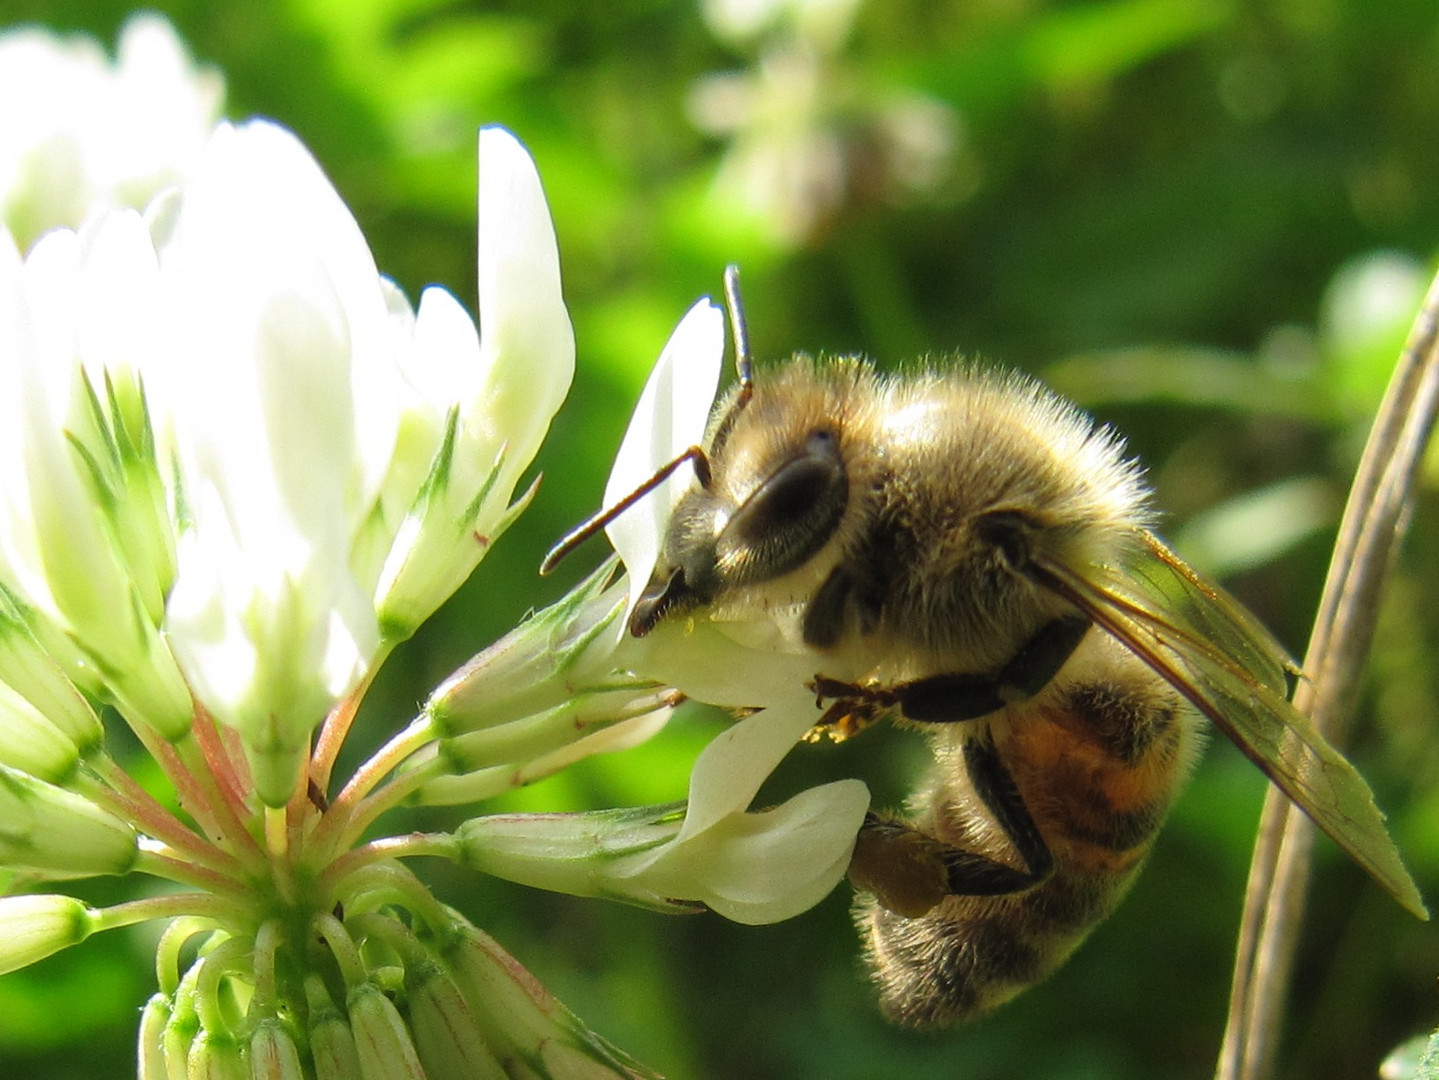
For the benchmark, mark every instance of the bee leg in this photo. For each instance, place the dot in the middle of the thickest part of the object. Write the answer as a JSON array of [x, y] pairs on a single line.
[[955, 696], [910, 872], [975, 875]]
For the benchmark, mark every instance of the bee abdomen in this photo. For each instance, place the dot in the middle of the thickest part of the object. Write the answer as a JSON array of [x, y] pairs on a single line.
[[972, 954], [1097, 769]]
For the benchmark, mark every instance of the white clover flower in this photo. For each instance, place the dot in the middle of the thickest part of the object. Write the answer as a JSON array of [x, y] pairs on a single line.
[[800, 850], [277, 335], [751, 867], [236, 468], [742, 665], [827, 21], [502, 390], [93, 134], [669, 418]]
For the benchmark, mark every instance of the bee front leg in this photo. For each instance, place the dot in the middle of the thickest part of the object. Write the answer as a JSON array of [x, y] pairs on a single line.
[[910, 872], [855, 708]]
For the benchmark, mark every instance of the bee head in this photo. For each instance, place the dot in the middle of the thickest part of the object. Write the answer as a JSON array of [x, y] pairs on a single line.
[[774, 495]]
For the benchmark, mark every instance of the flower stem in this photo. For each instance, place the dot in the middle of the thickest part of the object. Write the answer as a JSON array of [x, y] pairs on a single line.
[[337, 725], [267, 942], [440, 845], [159, 861], [109, 785], [227, 819], [348, 829], [220, 764], [228, 956], [189, 791], [339, 825], [372, 886], [393, 933], [169, 906], [343, 948]]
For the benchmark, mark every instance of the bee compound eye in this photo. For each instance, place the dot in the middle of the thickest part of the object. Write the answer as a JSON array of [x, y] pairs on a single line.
[[792, 513]]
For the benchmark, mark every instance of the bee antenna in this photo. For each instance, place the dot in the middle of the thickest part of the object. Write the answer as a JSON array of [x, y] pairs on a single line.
[[734, 304], [582, 532]]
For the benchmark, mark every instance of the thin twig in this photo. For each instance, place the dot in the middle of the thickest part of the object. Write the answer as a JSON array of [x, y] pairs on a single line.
[[1369, 534]]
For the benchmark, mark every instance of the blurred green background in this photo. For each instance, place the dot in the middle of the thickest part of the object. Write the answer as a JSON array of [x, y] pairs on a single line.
[[1209, 222]]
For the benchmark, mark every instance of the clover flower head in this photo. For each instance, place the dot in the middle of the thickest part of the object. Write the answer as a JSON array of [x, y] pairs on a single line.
[[237, 467], [95, 133]]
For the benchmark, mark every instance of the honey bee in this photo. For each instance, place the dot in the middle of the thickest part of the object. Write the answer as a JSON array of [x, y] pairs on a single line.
[[970, 554]]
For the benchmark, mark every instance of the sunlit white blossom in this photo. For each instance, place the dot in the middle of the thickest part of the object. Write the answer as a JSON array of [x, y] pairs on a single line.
[[93, 133], [237, 466], [750, 866], [828, 21], [498, 392], [277, 325], [669, 419], [755, 867], [744, 665]]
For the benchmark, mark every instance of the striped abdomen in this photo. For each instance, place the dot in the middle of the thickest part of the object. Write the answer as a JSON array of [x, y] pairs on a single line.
[[1097, 762]]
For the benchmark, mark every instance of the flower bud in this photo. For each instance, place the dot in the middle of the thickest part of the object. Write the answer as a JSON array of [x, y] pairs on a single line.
[[217, 1056], [30, 668], [30, 743], [274, 1054], [183, 1025], [569, 853], [33, 927], [447, 1036], [562, 1061], [489, 782], [332, 1044], [57, 832], [522, 1021], [150, 1047], [529, 738], [541, 663], [383, 1042]]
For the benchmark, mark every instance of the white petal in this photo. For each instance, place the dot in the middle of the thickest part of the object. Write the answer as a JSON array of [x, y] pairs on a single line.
[[506, 388], [729, 771], [669, 419], [445, 360], [282, 330], [526, 340], [766, 867], [54, 540], [93, 135], [703, 659]]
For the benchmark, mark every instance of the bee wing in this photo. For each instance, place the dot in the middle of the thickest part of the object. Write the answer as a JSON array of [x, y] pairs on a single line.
[[1232, 670]]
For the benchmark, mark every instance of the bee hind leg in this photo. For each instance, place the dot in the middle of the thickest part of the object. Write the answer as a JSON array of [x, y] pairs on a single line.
[[910, 872]]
